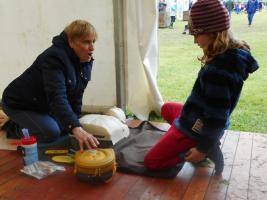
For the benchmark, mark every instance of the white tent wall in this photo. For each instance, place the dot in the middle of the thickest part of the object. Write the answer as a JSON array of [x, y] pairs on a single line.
[[142, 46], [27, 28], [182, 5]]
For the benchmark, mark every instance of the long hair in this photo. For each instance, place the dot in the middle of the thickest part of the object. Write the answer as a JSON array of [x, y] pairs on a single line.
[[221, 41]]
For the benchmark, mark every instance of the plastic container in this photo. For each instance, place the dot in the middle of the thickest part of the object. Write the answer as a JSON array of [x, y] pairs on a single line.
[[96, 165], [29, 150]]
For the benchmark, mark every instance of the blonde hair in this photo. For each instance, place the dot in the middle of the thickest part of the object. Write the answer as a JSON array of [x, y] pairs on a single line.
[[80, 28], [221, 41]]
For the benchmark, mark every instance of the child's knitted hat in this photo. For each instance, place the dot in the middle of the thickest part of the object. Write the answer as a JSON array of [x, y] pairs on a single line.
[[208, 16]]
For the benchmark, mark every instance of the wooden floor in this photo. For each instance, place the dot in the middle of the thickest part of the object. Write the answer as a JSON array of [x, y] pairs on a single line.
[[244, 177]]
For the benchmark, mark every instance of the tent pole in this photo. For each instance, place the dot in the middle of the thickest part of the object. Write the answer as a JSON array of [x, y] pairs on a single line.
[[119, 12]]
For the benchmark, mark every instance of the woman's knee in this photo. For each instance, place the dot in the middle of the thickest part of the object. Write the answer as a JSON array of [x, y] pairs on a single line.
[[50, 134]]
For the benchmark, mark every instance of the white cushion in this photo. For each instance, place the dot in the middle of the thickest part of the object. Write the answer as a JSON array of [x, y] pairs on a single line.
[[104, 127], [116, 112]]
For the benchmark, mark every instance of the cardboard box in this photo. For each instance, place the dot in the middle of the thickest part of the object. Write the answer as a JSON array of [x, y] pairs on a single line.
[[162, 20], [186, 15]]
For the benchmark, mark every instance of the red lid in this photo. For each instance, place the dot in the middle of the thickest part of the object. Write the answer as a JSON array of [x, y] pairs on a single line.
[[28, 141]]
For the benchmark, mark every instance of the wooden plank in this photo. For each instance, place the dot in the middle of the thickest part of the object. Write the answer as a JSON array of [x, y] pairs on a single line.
[[66, 186], [10, 170], [4, 152], [14, 186], [199, 183], [10, 163], [258, 171], [155, 189], [8, 144], [190, 183], [52, 186], [32, 188], [219, 184], [121, 188], [76, 189], [178, 186], [137, 190], [238, 187], [7, 156]]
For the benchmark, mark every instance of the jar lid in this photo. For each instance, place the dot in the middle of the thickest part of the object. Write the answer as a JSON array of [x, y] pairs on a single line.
[[28, 141], [94, 158]]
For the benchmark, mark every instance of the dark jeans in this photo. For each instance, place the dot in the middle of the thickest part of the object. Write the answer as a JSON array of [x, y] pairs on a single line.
[[42, 125], [250, 18], [173, 18]]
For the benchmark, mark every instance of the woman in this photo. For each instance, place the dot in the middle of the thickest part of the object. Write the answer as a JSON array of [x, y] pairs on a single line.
[[47, 97], [198, 125]]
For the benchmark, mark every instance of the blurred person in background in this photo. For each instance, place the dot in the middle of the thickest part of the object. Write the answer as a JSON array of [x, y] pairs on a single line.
[[251, 9]]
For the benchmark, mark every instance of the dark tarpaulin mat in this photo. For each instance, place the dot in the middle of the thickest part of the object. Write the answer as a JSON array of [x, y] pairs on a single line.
[[130, 152]]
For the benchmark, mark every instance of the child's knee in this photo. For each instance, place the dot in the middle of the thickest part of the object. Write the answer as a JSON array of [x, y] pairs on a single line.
[[151, 163], [168, 111], [164, 109], [148, 162]]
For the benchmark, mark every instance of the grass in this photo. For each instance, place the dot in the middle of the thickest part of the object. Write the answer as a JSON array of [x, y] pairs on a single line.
[[179, 67]]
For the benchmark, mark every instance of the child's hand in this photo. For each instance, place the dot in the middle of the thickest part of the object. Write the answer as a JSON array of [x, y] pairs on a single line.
[[194, 156]]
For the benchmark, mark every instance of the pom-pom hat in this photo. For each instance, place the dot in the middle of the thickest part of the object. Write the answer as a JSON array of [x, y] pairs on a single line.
[[208, 16]]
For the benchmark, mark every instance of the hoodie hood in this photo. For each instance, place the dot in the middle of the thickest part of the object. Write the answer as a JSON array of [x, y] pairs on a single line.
[[61, 41], [237, 60]]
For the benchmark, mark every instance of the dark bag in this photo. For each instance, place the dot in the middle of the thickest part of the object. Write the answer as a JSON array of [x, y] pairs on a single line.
[[130, 152]]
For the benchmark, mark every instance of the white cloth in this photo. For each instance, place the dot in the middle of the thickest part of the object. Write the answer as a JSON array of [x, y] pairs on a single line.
[[142, 93]]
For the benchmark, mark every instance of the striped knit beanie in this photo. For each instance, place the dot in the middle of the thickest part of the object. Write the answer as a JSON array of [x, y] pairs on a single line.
[[208, 16]]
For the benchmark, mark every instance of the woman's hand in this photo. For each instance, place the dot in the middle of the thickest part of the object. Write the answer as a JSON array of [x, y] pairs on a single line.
[[194, 156], [84, 138]]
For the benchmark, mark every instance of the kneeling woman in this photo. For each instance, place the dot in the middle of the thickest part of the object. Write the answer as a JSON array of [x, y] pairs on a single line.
[[47, 97]]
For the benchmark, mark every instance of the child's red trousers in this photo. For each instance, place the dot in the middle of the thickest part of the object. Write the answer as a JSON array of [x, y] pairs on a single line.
[[169, 151]]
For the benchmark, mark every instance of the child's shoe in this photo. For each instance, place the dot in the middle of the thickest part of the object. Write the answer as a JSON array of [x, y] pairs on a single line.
[[216, 156]]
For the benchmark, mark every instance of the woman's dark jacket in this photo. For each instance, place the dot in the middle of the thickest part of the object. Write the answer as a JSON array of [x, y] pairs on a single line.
[[207, 110], [53, 84]]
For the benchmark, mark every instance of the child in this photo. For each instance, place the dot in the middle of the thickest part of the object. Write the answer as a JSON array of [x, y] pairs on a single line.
[[198, 125]]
